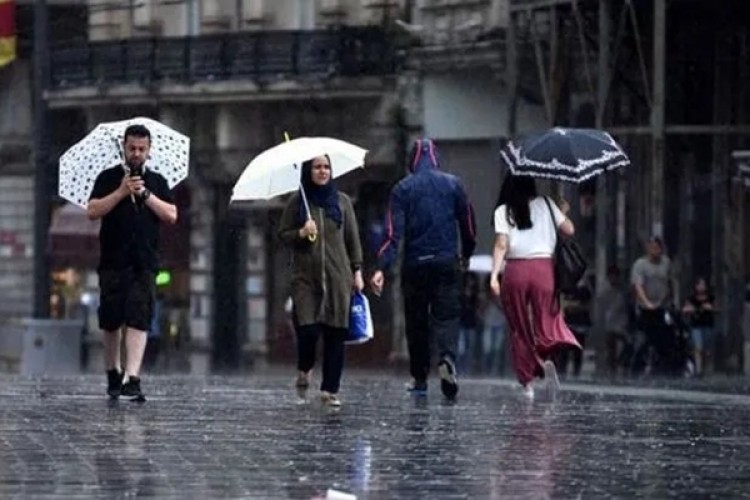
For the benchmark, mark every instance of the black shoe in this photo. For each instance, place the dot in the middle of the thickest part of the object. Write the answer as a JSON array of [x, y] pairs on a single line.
[[448, 380], [132, 389], [417, 387], [114, 383]]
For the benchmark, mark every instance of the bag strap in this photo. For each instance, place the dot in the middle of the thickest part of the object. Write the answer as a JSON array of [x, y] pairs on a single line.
[[552, 216], [555, 306]]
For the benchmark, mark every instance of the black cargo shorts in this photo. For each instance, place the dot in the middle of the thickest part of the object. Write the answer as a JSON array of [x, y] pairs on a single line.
[[126, 299]]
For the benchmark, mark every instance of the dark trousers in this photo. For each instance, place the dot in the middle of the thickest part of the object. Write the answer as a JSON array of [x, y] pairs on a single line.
[[432, 307], [660, 337], [617, 356], [333, 353]]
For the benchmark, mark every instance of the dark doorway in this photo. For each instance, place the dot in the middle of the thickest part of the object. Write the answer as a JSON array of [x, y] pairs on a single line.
[[229, 309]]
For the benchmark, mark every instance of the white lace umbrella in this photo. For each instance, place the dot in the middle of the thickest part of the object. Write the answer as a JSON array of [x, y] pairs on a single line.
[[276, 171], [102, 149]]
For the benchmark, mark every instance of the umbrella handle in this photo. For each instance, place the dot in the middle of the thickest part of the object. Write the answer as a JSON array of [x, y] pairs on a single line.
[[310, 237], [124, 164]]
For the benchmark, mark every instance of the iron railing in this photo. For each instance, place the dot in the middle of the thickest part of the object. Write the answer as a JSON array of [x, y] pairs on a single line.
[[262, 57]]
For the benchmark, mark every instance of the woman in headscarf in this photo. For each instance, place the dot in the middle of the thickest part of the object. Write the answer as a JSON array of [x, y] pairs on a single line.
[[327, 264], [526, 230]]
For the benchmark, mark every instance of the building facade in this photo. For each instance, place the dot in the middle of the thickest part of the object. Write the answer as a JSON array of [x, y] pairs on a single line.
[[17, 158]]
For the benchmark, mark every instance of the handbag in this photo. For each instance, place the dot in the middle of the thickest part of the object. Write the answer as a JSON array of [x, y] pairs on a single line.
[[360, 320], [569, 263]]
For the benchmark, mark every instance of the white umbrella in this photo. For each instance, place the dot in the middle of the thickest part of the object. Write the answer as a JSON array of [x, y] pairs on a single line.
[[102, 149], [276, 171]]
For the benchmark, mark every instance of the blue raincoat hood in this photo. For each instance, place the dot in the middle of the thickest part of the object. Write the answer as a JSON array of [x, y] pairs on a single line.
[[423, 156]]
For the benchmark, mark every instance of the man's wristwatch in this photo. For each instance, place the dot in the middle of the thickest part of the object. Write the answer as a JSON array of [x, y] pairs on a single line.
[[145, 194]]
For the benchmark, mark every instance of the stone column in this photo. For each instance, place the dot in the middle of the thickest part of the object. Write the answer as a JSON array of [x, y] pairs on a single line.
[[201, 275], [259, 298]]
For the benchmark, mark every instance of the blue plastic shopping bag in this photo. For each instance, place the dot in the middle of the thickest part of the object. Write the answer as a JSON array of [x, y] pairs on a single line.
[[360, 320]]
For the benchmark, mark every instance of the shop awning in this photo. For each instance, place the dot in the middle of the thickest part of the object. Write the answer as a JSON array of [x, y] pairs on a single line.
[[73, 239]]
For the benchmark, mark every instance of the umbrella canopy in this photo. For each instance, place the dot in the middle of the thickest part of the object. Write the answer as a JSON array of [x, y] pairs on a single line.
[[102, 149], [276, 171], [566, 154]]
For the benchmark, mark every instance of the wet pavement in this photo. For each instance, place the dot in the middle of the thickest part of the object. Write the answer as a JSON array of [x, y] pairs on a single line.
[[719, 383], [252, 437]]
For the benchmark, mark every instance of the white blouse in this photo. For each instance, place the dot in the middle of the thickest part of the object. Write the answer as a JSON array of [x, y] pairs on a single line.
[[539, 240]]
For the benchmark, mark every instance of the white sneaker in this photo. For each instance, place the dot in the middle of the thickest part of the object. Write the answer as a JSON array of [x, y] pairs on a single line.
[[551, 378], [527, 391], [330, 400]]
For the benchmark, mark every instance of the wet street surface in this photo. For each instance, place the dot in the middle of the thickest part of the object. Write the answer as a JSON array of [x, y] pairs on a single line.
[[253, 437]]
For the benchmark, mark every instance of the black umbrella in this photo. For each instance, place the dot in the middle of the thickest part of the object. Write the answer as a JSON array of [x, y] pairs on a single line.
[[566, 154]]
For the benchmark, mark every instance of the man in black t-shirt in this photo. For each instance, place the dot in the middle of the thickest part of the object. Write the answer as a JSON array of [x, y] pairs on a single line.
[[131, 201]]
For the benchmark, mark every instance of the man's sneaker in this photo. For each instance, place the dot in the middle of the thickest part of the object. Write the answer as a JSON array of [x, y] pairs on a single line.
[[132, 389], [551, 378], [448, 380], [418, 388], [330, 400], [114, 383]]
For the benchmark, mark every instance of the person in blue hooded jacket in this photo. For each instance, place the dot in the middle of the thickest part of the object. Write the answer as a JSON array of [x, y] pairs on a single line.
[[428, 209]]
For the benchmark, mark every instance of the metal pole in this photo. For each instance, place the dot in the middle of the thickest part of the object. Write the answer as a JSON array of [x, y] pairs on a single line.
[[719, 211], [511, 70], [603, 228], [602, 203], [687, 217], [41, 164], [657, 117]]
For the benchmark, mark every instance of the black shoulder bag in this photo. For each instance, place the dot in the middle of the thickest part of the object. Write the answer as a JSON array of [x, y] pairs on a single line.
[[569, 263]]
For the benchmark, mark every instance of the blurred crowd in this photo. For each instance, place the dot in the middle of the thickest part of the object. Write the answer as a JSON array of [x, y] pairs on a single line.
[[632, 326]]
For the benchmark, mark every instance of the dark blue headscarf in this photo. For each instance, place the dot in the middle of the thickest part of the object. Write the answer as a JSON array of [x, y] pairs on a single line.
[[325, 197]]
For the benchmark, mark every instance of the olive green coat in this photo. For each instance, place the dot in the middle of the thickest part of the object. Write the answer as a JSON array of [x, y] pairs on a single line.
[[322, 271]]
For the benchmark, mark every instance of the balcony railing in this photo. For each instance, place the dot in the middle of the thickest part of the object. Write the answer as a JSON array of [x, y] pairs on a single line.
[[261, 57]]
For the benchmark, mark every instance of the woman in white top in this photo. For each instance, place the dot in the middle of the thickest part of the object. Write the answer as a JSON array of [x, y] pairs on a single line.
[[526, 228]]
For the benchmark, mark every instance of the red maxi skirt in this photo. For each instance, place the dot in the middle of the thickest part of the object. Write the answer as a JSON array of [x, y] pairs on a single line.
[[537, 327]]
